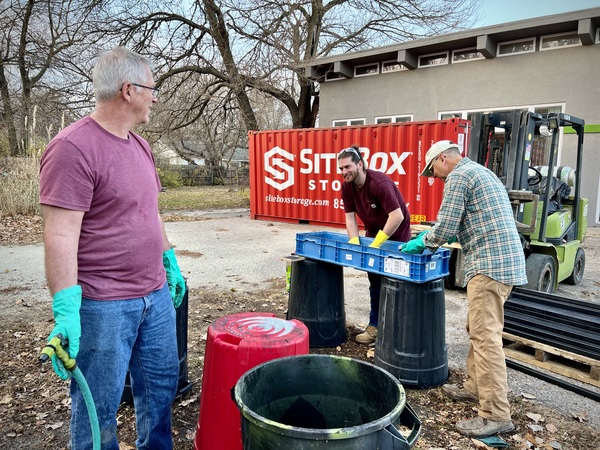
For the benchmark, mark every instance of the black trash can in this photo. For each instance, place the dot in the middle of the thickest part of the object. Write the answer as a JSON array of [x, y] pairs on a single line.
[[317, 299], [323, 402], [411, 339], [183, 382]]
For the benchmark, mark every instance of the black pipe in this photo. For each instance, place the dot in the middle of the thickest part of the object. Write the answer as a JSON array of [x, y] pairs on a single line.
[[588, 393]]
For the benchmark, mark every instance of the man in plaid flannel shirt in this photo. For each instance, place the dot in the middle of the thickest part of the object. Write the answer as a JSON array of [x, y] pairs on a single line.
[[476, 211]]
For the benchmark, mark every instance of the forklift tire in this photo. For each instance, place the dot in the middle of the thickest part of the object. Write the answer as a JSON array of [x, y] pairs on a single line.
[[541, 273], [576, 276]]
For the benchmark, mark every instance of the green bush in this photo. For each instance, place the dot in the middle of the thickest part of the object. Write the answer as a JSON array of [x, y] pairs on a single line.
[[169, 178], [19, 186]]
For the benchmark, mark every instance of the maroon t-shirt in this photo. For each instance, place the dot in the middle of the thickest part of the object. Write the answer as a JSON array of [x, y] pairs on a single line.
[[114, 181], [373, 202]]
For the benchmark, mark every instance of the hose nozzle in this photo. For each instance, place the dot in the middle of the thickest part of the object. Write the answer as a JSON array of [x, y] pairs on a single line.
[[55, 347]]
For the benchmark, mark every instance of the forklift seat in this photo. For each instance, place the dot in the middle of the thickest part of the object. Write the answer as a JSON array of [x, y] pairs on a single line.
[[559, 193]]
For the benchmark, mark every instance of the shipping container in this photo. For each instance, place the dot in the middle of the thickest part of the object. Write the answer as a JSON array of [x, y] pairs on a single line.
[[294, 175]]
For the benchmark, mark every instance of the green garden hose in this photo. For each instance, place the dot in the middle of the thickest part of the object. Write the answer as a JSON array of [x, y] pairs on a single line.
[[55, 347]]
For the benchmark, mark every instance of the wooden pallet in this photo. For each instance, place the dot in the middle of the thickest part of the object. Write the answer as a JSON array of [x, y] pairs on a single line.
[[567, 364]]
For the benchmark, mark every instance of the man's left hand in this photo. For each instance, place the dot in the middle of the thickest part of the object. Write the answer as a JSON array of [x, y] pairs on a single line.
[[174, 278], [379, 239]]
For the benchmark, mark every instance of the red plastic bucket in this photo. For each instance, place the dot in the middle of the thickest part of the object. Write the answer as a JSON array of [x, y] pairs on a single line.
[[234, 345]]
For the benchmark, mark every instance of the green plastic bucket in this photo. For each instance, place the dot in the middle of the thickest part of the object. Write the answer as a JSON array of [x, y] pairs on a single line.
[[323, 402]]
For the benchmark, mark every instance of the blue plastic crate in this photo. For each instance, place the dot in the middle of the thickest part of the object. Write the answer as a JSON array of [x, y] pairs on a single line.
[[387, 260]]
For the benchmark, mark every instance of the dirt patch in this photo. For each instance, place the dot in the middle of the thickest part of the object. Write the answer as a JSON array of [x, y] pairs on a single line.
[[20, 230], [35, 407]]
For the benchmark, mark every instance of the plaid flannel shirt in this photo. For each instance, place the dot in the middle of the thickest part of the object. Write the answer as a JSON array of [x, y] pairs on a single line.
[[476, 209]]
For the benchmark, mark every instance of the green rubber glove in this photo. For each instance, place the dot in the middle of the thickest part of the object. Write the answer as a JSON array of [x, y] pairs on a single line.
[[354, 240], [415, 245], [174, 277], [379, 239], [65, 307], [452, 240], [494, 441]]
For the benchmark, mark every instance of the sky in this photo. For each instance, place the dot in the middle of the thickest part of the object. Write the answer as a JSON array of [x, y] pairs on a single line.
[[501, 11]]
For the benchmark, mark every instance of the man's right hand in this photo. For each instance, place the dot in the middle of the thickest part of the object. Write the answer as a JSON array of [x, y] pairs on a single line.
[[415, 245], [65, 306]]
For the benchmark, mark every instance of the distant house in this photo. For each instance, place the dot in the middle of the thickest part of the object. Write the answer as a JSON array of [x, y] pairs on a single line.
[[167, 155], [238, 160], [546, 64]]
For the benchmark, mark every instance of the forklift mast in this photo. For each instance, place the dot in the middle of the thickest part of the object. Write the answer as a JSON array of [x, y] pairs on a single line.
[[510, 158]]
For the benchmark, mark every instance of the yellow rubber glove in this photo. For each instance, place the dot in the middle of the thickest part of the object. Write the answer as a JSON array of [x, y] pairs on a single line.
[[379, 239], [354, 240]]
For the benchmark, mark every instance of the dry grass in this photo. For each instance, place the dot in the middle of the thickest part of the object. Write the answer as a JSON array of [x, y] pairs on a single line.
[[19, 192], [19, 186], [202, 198]]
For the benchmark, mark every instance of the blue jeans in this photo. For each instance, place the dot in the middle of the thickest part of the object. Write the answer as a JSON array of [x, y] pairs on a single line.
[[374, 293], [137, 334]]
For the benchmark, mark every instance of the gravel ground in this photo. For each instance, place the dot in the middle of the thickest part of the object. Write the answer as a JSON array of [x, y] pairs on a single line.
[[227, 250]]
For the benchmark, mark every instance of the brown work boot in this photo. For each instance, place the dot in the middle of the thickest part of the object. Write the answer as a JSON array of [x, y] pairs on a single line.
[[480, 427], [368, 337], [458, 393]]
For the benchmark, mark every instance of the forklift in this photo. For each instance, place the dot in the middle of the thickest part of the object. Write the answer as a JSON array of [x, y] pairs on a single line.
[[520, 147]]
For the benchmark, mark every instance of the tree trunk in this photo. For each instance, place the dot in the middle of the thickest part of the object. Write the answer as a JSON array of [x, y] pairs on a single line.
[[221, 36], [9, 117]]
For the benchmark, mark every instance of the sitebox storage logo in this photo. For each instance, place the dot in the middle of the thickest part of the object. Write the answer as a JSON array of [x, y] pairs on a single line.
[[278, 173], [294, 175]]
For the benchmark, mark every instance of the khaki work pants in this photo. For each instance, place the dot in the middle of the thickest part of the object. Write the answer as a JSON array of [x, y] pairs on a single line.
[[486, 366]]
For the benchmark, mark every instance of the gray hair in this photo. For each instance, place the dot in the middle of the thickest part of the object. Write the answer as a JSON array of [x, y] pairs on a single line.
[[451, 151], [114, 68]]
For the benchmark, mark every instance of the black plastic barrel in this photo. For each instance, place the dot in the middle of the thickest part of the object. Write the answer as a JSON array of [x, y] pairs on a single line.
[[181, 320], [411, 339], [317, 299], [183, 382], [323, 402]]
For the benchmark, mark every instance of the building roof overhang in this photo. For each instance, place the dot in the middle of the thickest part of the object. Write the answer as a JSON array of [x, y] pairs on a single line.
[[483, 39]]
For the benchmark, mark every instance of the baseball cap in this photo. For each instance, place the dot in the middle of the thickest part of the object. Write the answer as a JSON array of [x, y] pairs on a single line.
[[433, 152]]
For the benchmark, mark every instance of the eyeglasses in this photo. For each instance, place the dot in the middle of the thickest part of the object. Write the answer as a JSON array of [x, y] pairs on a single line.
[[433, 161], [155, 90], [350, 150]]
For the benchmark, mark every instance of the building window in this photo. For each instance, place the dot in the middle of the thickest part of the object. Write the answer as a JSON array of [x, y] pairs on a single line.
[[366, 70], [433, 59], [394, 119], [391, 66], [332, 76], [466, 54], [562, 40], [514, 47], [597, 35], [348, 122], [450, 115]]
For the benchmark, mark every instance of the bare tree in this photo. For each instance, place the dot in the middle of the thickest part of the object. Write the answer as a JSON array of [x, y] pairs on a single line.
[[43, 65], [283, 35], [216, 51]]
